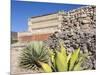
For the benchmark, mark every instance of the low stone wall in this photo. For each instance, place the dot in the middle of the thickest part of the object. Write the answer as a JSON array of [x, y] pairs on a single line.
[[78, 29], [34, 37]]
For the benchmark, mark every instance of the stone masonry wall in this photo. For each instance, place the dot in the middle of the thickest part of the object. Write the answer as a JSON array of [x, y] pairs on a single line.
[[78, 29], [34, 37]]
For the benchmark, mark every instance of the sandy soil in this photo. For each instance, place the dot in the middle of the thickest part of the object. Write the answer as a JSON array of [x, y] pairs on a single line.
[[15, 69]]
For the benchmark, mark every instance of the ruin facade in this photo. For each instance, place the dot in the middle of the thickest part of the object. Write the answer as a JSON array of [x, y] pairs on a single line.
[[40, 27]]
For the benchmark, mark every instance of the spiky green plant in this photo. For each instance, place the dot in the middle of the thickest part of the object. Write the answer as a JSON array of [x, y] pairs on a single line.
[[33, 56], [62, 61], [36, 55]]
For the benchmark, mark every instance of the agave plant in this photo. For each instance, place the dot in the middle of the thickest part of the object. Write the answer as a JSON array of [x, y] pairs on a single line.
[[35, 56], [62, 61]]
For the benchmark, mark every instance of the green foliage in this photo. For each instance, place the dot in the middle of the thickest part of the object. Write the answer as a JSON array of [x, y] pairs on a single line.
[[74, 58], [32, 55], [45, 67], [37, 55], [60, 62], [65, 61]]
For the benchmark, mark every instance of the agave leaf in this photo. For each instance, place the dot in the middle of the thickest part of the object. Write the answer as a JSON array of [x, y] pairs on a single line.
[[63, 50], [36, 46], [73, 59], [53, 60], [68, 59], [78, 66], [45, 67], [52, 56], [50, 52], [60, 60], [80, 61]]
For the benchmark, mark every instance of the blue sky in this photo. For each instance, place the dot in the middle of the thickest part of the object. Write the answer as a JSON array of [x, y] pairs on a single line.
[[22, 10]]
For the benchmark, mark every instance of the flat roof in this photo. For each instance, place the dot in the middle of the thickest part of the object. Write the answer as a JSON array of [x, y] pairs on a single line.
[[44, 15]]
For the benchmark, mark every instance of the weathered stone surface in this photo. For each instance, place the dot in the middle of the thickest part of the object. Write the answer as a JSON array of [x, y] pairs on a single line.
[[78, 29]]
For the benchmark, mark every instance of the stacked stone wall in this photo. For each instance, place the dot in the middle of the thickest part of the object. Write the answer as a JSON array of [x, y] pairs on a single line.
[[78, 29]]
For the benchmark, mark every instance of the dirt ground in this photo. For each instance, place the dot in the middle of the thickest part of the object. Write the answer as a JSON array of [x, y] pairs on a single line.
[[15, 69]]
